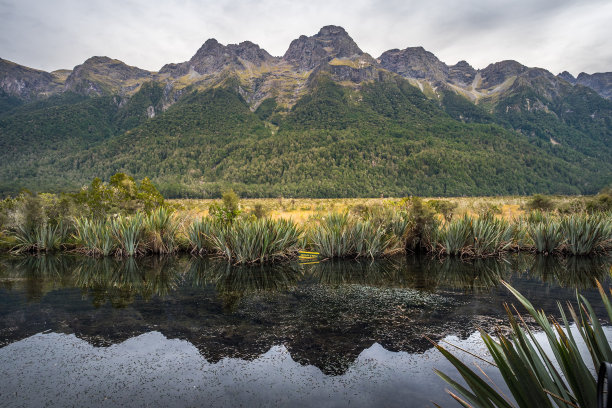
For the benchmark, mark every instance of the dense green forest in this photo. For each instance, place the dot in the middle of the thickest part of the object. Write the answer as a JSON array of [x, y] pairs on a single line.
[[384, 137]]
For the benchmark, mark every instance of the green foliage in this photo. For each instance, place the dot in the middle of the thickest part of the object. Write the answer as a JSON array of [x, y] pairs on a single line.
[[546, 235], [564, 379], [227, 212], [455, 237], [200, 234], [585, 234], [160, 231], [339, 235], [540, 202], [122, 195], [386, 137], [256, 241], [128, 233], [95, 236], [443, 207], [422, 225]]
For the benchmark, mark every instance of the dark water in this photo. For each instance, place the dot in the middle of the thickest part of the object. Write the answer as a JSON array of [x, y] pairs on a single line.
[[184, 331]]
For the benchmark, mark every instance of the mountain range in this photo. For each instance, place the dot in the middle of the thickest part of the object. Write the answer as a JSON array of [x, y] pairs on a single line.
[[324, 120]]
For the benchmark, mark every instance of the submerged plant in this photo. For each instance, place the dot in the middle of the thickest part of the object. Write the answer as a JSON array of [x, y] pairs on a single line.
[[535, 378]]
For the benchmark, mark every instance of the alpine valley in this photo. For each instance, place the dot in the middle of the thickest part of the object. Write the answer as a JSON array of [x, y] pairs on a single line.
[[323, 120]]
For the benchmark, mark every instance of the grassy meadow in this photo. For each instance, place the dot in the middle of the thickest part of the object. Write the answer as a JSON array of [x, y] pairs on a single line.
[[301, 210]]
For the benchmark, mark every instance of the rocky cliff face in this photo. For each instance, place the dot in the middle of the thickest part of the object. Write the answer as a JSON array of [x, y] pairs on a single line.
[[214, 57], [261, 75], [330, 42], [599, 82], [27, 83], [415, 62], [462, 73], [103, 75]]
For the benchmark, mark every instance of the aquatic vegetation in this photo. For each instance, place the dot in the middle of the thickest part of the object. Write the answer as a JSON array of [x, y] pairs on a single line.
[[584, 233], [563, 379], [161, 229], [339, 235], [128, 233], [259, 240], [199, 234], [94, 236], [545, 235], [41, 238], [491, 236], [455, 237]]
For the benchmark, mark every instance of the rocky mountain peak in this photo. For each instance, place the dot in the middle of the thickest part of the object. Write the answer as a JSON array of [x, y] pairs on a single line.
[[213, 57], [496, 73], [462, 73], [568, 77], [600, 82], [415, 62], [99, 75], [23, 82], [329, 43]]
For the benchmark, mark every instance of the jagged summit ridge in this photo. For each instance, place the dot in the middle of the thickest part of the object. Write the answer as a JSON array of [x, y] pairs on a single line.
[[330, 42], [261, 75]]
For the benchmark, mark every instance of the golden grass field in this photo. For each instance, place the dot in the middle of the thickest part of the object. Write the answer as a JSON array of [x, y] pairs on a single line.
[[301, 209]]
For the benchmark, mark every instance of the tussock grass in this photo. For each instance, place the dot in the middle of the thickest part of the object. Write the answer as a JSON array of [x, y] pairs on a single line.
[[128, 233], [255, 241], [160, 231]]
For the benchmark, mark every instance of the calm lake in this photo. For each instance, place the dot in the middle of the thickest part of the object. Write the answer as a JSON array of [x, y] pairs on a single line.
[[193, 332]]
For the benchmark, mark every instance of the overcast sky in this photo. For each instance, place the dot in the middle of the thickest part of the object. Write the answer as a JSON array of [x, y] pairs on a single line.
[[553, 34]]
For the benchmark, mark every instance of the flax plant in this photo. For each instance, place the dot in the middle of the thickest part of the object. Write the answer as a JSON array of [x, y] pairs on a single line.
[[536, 379]]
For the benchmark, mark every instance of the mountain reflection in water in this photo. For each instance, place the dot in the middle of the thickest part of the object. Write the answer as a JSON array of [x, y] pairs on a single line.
[[322, 317]]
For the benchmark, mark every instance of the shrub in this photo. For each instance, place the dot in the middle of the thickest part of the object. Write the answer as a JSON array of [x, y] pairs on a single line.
[[584, 233], [455, 237], [545, 235], [200, 233], [95, 236], [228, 211], [540, 202], [443, 207], [421, 225]]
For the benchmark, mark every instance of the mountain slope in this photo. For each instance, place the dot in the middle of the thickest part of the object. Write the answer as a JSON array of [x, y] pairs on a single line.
[[324, 120]]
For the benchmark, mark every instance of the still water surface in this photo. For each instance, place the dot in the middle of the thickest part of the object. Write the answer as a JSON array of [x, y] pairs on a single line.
[[185, 331]]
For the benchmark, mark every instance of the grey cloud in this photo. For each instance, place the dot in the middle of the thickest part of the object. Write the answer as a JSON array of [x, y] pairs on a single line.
[[554, 34]]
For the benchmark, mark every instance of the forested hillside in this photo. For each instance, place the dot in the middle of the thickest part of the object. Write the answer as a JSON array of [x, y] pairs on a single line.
[[337, 123]]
